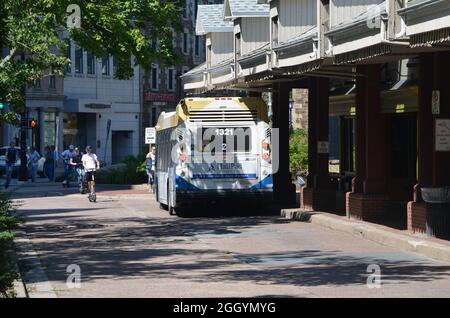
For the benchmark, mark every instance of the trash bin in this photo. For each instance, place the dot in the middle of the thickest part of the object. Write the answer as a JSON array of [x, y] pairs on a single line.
[[438, 211], [438, 220]]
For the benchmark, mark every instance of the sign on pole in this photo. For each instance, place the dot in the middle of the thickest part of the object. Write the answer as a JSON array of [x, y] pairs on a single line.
[[150, 136], [442, 134], [436, 102]]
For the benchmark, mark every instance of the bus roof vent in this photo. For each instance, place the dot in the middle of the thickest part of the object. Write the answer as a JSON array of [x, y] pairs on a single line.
[[223, 116]]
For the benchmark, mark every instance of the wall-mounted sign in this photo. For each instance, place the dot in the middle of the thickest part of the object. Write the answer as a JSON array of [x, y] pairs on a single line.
[[150, 136], [323, 147], [442, 134], [436, 102], [98, 106], [156, 97]]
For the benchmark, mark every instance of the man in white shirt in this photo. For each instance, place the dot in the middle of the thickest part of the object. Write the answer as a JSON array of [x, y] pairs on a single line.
[[90, 164]]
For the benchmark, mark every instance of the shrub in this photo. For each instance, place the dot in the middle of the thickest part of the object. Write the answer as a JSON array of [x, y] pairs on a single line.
[[8, 222], [298, 152], [128, 172]]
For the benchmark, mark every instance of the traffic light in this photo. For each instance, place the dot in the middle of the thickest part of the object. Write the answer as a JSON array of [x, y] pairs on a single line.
[[2, 105], [32, 123]]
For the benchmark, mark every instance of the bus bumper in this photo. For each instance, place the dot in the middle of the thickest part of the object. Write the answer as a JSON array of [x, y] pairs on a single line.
[[226, 195]]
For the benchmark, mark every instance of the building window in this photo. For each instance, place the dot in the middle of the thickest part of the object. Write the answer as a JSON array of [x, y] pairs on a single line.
[[154, 78], [50, 120], [185, 43], [69, 56], [197, 45], [115, 65], [185, 11], [105, 65], [170, 80], [79, 60], [52, 82], [90, 63], [154, 119], [37, 83]]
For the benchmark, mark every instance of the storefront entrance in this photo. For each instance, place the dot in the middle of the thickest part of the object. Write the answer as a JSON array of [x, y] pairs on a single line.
[[401, 165]]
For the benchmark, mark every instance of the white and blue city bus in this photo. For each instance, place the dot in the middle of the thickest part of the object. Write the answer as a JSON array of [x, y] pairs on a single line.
[[211, 149]]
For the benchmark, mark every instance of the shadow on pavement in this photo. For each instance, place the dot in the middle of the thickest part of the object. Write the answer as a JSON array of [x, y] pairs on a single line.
[[119, 248]]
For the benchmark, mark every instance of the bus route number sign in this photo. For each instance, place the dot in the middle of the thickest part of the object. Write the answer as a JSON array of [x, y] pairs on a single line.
[[150, 136]]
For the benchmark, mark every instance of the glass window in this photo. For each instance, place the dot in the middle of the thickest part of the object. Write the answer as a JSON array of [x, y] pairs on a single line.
[[115, 65], [50, 129], [90, 63], [52, 82], [79, 60], [154, 78], [105, 65], [197, 45], [185, 43], [69, 56], [170, 79], [154, 119]]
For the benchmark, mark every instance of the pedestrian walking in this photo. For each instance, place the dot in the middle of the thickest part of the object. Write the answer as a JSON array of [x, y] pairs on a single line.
[[150, 167], [49, 165], [33, 162], [91, 165], [66, 156], [11, 157], [77, 164], [56, 155]]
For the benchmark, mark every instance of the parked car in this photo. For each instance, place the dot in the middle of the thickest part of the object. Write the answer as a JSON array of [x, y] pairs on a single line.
[[3, 160]]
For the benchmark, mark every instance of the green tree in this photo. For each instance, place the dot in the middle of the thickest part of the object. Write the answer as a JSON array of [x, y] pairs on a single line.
[[35, 32], [298, 152]]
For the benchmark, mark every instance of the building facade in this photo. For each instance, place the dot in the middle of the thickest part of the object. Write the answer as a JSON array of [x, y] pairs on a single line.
[[162, 87], [100, 110]]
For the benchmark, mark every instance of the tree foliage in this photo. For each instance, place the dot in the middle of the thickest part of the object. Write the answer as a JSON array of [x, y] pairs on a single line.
[[8, 222], [35, 32], [298, 152]]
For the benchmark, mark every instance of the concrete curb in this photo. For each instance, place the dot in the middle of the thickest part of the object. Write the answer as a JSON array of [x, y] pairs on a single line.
[[34, 277], [19, 286], [373, 233]]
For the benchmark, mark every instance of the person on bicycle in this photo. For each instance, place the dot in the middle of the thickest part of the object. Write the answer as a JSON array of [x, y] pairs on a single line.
[[90, 164], [76, 162]]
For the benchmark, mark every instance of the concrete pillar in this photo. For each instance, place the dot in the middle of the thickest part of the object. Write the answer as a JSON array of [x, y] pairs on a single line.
[[319, 194], [368, 200], [284, 189]]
